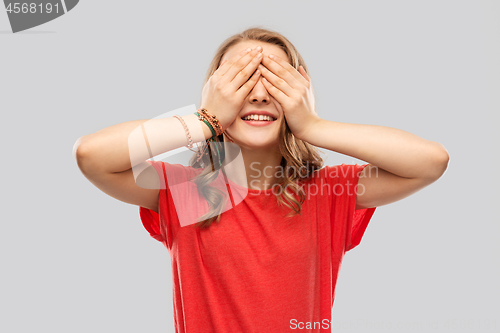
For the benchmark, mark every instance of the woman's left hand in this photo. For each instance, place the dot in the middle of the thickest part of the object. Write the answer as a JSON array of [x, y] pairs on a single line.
[[293, 90]]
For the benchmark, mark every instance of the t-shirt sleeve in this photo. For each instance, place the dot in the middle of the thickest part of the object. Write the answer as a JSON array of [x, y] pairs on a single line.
[[152, 220], [177, 194], [348, 223]]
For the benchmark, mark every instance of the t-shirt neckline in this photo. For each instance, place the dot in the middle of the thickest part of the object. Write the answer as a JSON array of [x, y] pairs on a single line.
[[250, 190]]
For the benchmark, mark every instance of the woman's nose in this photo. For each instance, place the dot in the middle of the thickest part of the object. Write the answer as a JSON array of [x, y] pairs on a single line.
[[259, 92]]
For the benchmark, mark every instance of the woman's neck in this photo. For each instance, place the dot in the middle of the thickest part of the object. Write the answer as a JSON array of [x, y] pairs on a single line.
[[258, 169]]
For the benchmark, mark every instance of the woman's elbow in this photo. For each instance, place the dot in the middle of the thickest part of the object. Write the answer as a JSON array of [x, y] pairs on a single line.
[[441, 159]]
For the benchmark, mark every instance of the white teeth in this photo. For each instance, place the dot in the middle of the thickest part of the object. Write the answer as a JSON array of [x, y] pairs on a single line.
[[258, 117]]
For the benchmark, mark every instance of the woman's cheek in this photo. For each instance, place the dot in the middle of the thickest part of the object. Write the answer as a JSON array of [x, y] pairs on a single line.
[[277, 105]]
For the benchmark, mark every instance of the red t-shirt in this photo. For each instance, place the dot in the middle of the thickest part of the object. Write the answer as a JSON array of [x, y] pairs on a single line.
[[255, 271]]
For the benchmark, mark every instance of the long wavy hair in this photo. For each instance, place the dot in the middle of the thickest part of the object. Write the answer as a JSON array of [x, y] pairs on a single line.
[[296, 154]]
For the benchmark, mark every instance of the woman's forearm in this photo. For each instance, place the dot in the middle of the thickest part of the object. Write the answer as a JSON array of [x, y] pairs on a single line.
[[120, 147], [394, 150]]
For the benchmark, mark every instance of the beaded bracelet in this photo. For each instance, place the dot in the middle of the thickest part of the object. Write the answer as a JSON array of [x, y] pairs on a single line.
[[201, 118], [213, 121], [186, 129]]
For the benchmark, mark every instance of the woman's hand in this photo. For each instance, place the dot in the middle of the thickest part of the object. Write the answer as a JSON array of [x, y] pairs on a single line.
[[293, 90], [224, 93]]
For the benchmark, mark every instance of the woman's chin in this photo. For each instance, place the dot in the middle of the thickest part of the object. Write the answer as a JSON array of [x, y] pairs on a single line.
[[254, 140], [256, 143]]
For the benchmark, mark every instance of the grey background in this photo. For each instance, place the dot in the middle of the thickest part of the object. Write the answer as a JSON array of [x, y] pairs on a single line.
[[76, 260]]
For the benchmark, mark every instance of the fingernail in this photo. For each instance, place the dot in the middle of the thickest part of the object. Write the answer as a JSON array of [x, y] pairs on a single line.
[[271, 56], [258, 48], [248, 50]]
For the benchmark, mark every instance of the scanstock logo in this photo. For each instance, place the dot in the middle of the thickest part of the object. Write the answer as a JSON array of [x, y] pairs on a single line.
[[31, 13]]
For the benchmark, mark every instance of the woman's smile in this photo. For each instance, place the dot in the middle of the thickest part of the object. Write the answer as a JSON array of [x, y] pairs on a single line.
[[258, 120]]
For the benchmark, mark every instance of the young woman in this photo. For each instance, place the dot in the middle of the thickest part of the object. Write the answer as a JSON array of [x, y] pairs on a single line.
[[262, 252]]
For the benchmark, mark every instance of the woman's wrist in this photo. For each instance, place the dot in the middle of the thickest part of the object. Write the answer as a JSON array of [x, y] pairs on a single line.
[[206, 120], [224, 121], [192, 121], [310, 125]]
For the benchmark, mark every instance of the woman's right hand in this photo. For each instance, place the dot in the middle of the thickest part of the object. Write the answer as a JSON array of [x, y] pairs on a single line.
[[224, 93]]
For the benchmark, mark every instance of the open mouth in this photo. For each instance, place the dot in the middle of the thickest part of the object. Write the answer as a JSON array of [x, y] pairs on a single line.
[[258, 118]]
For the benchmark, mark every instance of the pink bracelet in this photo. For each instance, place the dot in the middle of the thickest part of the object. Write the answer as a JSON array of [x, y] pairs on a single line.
[[186, 129]]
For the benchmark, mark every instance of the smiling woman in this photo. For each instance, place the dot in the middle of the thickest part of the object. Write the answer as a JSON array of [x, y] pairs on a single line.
[[257, 247], [267, 143]]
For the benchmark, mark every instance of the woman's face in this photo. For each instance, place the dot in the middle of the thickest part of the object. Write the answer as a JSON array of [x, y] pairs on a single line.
[[243, 132]]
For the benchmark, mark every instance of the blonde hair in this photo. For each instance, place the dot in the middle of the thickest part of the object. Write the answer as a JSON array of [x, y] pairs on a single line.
[[296, 154]]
